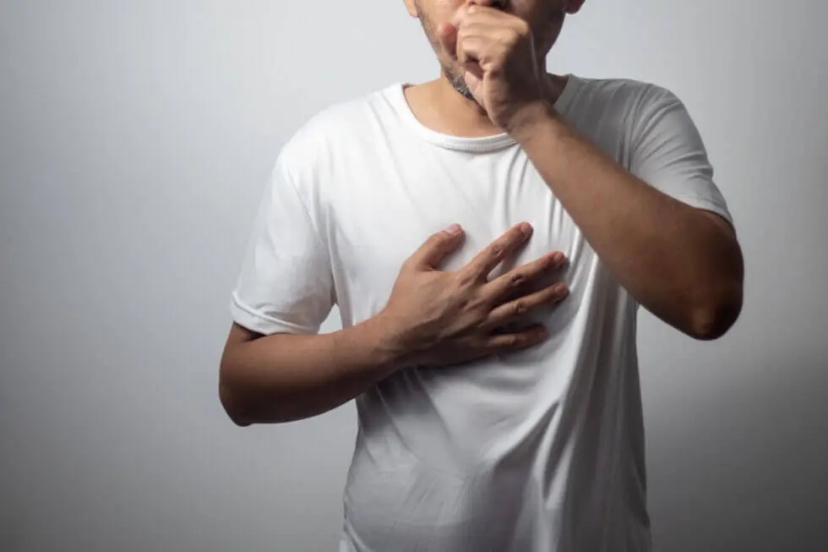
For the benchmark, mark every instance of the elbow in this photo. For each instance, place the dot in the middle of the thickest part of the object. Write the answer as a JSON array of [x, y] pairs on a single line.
[[233, 405], [245, 406], [713, 318], [719, 297]]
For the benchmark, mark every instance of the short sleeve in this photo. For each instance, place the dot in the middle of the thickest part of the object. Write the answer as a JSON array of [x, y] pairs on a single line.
[[667, 152], [285, 284]]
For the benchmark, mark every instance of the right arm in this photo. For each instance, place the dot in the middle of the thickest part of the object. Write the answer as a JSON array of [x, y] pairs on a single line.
[[432, 318], [287, 377]]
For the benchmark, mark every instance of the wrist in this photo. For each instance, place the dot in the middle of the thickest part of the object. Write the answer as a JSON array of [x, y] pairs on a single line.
[[387, 342], [529, 118]]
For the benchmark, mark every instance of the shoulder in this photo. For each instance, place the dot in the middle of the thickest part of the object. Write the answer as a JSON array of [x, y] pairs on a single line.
[[332, 131], [624, 95], [627, 110], [627, 105]]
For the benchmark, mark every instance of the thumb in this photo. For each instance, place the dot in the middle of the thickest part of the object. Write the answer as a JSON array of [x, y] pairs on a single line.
[[437, 247], [447, 35], [473, 80]]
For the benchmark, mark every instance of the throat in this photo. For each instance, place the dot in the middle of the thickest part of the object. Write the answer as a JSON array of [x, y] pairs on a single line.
[[448, 112], [439, 107]]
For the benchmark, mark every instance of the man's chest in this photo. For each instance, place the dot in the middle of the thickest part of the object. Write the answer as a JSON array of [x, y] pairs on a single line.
[[378, 217]]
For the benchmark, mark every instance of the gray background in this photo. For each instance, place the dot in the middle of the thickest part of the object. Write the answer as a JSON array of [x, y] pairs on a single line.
[[135, 139]]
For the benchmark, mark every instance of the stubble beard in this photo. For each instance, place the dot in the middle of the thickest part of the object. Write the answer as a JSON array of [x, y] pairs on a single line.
[[452, 75], [459, 84]]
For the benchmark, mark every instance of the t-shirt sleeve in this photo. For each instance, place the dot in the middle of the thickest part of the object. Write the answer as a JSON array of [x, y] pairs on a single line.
[[285, 284], [667, 152]]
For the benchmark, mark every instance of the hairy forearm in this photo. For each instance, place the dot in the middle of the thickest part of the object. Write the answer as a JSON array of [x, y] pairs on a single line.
[[285, 377], [674, 259]]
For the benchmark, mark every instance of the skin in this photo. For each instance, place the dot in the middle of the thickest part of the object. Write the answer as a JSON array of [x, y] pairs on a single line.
[[683, 264]]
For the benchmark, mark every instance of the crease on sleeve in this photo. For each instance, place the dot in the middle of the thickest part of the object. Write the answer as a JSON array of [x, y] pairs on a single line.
[[255, 321]]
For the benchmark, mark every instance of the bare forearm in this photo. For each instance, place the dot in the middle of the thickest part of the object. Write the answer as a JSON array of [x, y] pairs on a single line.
[[286, 377], [671, 257]]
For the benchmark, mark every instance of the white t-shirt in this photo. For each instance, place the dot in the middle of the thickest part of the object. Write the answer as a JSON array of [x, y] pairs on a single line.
[[536, 451]]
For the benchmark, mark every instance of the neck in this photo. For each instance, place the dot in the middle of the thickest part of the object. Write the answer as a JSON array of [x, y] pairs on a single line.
[[437, 105]]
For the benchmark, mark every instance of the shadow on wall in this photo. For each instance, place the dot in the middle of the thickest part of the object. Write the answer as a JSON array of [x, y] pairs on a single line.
[[746, 470]]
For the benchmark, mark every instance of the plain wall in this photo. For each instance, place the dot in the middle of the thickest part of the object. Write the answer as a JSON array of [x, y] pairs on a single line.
[[135, 141]]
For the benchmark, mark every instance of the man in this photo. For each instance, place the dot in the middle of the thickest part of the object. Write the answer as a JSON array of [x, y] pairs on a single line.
[[488, 237]]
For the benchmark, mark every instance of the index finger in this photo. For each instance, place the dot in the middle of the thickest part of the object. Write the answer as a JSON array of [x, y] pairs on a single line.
[[486, 261], [447, 35]]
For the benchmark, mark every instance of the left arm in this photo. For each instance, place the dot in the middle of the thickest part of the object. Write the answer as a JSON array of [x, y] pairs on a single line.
[[682, 263]]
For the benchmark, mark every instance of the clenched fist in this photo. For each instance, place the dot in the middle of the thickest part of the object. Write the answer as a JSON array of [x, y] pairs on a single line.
[[497, 51]]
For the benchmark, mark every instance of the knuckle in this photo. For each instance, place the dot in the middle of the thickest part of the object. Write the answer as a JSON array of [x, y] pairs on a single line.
[[519, 307], [473, 305], [558, 260], [464, 279], [432, 242], [438, 237], [522, 28]]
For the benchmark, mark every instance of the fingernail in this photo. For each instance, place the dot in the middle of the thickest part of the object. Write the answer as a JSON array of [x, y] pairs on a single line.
[[562, 291], [526, 229], [557, 259], [454, 229]]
